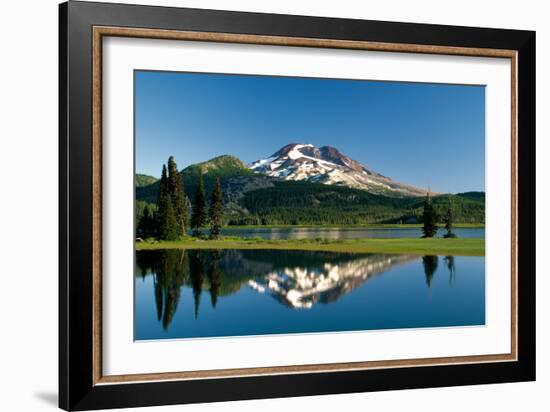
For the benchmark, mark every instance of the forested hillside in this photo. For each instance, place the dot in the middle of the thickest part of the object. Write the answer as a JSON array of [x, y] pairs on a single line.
[[223, 167], [309, 203]]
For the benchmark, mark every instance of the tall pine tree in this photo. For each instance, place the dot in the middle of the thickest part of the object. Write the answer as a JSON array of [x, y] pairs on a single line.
[[177, 193], [162, 203], [215, 213], [448, 219], [429, 229], [169, 228], [199, 215]]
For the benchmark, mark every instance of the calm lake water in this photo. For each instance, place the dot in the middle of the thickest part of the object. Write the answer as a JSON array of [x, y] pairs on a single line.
[[344, 233], [208, 293]]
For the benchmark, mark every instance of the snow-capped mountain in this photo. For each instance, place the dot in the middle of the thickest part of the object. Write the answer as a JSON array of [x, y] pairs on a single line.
[[329, 166]]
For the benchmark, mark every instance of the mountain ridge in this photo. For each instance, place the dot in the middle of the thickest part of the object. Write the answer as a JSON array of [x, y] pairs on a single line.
[[327, 165]]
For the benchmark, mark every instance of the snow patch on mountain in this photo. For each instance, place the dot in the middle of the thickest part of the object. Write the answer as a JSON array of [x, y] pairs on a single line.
[[327, 165]]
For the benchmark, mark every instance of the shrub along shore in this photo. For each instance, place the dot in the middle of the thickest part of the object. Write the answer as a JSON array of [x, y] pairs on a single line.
[[427, 246]]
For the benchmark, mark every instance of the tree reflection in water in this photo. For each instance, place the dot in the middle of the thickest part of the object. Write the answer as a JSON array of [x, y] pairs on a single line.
[[295, 278], [234, 292], [215, 277], [430, 266], [173, 268], [197, 276], [450, 262]]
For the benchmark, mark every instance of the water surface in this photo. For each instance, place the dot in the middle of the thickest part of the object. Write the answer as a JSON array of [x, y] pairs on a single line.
[[344, 233], [209, 293]]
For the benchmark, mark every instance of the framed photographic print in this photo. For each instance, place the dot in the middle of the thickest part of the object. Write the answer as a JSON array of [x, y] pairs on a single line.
[[257, 205]]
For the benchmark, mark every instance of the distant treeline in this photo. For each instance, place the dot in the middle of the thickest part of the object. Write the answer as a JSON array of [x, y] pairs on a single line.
[[293, 203]]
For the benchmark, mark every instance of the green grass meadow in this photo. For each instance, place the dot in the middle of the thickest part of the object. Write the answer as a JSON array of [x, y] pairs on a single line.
[[431, 246]]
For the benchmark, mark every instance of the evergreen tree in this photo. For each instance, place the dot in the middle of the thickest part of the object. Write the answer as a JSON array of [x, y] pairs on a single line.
[[215, 213], [169, 228], [199, 215], [162, 203], [153, 223], [448, 219], [429, 229], [177, 193], [145, 225]]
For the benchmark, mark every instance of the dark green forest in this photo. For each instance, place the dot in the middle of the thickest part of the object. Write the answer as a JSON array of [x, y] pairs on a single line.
[[309, 203]]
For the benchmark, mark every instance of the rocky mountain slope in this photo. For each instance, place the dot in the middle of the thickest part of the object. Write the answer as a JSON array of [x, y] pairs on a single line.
[[327, 165]]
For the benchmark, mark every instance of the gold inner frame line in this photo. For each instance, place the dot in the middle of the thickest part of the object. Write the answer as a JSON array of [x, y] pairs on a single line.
[[102, 31]]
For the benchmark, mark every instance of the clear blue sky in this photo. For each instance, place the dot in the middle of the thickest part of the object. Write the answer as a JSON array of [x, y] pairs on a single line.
[[420, 134]]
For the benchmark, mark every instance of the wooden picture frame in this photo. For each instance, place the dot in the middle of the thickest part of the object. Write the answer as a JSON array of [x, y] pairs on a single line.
[[82, 385]]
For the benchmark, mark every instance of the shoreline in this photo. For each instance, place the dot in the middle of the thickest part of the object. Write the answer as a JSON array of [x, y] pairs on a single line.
[[413, 246]]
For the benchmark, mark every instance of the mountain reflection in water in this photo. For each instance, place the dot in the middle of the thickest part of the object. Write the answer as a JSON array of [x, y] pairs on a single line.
[[303, 286], [295, 279]]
